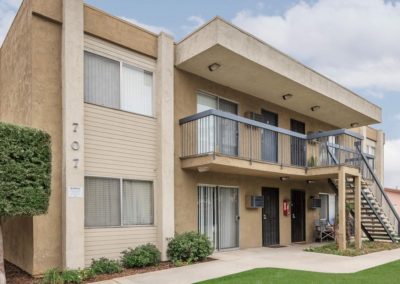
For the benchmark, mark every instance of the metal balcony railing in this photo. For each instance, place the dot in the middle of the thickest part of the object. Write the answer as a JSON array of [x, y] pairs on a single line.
[[214, 132]]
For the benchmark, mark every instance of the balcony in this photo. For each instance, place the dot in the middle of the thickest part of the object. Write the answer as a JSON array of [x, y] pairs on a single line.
[[214, 140]]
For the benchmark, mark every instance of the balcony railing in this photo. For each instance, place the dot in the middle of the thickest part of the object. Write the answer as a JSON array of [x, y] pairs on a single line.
[[214, 132]]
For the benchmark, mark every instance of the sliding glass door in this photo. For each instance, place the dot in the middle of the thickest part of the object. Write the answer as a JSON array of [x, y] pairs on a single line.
[[218, 215], [217, 132]]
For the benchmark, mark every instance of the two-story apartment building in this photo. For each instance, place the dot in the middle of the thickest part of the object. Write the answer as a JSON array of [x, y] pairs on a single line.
[[218, 133]]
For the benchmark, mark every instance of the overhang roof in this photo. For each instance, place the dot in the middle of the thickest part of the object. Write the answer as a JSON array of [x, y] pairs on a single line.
[[254, 67]]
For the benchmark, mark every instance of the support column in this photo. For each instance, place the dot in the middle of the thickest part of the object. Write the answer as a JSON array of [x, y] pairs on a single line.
[[72, 115], [357, 212], [165, 99], [342, 209]]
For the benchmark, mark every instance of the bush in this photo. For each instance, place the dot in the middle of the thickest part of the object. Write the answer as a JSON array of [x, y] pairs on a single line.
[[52, 276], [87, 273], [189, 247], [71, 276], [141, 256], [105, 266], [25, 170]]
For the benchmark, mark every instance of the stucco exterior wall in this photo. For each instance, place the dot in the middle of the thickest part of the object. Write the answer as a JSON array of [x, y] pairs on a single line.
[[394, 196], [46, 115], [16, 107], [186, 181], [107, 27], [30, 95]]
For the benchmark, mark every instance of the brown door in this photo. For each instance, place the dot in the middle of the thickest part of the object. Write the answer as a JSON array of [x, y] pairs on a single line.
[[270, 216], [298, 211]]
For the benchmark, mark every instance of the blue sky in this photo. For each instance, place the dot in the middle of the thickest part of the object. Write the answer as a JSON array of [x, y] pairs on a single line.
[[354, 42]]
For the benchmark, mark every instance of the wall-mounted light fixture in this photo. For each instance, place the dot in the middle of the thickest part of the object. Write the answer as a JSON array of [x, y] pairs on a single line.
[[284, 178], [287, 97], [315, 108], [203, 169], [354, 124], [213, 67], [310, 181]]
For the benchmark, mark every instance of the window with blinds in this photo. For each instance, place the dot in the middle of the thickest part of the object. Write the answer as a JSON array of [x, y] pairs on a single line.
[[117, 85], [113, 202]]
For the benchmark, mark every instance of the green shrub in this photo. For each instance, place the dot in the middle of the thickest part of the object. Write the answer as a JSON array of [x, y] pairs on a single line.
[[52, 276], [189, 247], [141, 256], [72, 276], [25, 171], [87, 273], [105, 266]]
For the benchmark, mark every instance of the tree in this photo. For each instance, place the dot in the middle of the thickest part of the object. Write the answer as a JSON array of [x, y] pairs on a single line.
[[25, 175]]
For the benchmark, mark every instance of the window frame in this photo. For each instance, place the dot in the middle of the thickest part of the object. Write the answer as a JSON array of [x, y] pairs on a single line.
[[121, 225], [136, 65]]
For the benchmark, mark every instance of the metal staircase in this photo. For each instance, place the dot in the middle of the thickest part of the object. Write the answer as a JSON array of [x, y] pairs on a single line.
[[379, 219]]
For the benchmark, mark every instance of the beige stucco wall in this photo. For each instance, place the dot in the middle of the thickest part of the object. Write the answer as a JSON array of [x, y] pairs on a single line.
[[115, 30], [30, 95], [186, 181]]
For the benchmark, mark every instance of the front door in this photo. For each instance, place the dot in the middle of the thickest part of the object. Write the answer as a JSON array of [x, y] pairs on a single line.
[[298, 211], [297, 145], [270, 216], [218, 215], [269, 138]]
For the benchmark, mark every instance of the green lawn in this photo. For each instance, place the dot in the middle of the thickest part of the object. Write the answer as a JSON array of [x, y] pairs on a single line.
[[388, 273]]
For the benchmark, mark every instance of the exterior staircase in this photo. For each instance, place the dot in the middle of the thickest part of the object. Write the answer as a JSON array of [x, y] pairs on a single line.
[[379, 219], [374, 221]]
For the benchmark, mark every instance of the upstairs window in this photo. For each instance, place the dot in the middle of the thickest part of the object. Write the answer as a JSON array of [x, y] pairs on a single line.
[[118, 85]]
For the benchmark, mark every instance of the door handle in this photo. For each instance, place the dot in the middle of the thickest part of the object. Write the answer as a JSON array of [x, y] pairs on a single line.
[[265, 216], [293, 216]]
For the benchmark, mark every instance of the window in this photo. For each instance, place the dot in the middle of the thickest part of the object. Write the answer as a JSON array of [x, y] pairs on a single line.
[[113, 202], [328, 208], [118, 85]]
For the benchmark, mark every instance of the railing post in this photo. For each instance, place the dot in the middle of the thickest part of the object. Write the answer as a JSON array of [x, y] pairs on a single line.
[[251, 145], [215, 136]]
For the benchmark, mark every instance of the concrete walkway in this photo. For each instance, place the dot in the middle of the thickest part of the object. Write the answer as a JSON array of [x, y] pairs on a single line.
[[291, 257]]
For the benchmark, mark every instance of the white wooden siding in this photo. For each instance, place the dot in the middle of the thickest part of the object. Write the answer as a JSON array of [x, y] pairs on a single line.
[[121, 145], [110, 242]]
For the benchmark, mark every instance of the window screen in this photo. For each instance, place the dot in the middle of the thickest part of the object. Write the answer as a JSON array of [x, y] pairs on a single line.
[[137, 90], [102, 85], [137, 199], [102, 202]]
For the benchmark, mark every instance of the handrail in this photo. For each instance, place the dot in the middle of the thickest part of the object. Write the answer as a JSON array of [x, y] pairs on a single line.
[[378, 183], [254, 123]]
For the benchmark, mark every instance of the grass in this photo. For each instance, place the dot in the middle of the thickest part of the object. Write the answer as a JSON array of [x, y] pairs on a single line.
[[367, 247], [386, 273]]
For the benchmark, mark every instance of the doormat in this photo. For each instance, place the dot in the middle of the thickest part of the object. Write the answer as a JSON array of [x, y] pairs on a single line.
[[276, 246]]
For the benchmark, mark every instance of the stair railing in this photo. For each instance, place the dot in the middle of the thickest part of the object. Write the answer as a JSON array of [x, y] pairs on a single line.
[[378, 191]]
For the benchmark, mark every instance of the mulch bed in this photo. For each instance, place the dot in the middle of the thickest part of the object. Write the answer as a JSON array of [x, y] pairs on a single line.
[[132, 271], [17, 276]]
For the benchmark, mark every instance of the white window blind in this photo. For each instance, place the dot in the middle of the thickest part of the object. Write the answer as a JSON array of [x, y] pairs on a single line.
[[137, 199], [136, 90], [102, 202], [118, 85], [103, 197], [102, 85]]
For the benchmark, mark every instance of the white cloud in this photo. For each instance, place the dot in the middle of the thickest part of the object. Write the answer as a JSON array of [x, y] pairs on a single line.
[[8, 9], [195, 22], [152, 28], [354, 42], [392, 168]]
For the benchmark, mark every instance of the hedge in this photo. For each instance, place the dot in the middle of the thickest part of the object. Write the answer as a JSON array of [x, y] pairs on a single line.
[[25, 170]]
